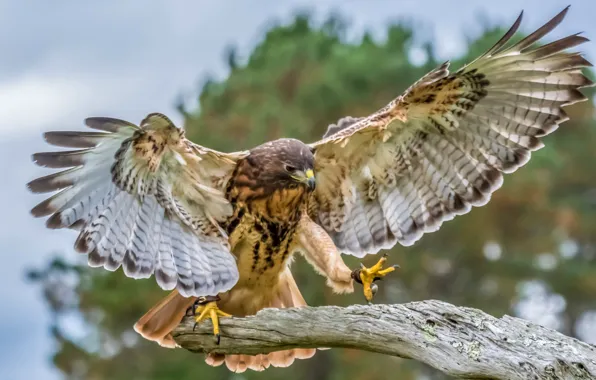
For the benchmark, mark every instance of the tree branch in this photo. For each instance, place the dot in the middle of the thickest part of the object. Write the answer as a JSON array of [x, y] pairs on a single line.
[[459, 341]]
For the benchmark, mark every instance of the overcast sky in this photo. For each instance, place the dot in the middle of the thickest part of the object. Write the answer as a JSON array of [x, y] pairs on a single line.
[[62, 61]]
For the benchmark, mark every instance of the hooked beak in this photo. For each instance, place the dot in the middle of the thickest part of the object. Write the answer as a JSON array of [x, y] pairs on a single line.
[[306, 177], [310, 179]]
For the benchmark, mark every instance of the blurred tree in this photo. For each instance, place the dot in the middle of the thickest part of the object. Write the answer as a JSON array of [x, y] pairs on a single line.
[[538, 231]]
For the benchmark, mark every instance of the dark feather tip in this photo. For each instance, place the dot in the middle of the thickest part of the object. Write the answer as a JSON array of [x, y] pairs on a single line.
[[95, 259], [55, 221], [81, 245], [43, 209]]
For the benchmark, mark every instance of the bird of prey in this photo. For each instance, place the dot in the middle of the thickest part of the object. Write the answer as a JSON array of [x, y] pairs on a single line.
[[219, 229]]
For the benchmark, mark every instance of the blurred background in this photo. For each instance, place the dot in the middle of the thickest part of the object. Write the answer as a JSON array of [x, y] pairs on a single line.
[[238, 73]]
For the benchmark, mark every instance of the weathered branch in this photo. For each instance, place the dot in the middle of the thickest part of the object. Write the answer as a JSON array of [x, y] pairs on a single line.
[[459, 341]]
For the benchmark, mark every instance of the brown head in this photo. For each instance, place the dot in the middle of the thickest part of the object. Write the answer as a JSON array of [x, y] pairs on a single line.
[[275, 165]]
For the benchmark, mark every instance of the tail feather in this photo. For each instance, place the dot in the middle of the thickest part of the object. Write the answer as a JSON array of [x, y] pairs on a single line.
[[158, 323], [288, 295], [215, 360]]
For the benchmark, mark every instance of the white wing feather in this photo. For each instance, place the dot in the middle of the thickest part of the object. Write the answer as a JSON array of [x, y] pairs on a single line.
[[145, 199]]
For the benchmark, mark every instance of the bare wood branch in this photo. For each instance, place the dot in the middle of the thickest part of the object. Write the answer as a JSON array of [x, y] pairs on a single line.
[[459, 341]]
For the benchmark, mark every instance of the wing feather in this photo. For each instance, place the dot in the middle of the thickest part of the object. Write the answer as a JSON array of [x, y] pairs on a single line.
[[443, 146], [145, 199]]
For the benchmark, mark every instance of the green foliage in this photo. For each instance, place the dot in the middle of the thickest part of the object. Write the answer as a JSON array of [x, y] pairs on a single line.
[[296, 81]]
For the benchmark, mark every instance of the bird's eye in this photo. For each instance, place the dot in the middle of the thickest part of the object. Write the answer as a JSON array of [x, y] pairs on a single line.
[[289, 168]]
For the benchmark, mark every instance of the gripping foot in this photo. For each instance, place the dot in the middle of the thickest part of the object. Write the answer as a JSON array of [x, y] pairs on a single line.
[[206, 307], [367, 276]]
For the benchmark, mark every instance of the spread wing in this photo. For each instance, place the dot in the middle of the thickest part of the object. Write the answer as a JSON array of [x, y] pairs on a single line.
[[144, 198], [443, 145]]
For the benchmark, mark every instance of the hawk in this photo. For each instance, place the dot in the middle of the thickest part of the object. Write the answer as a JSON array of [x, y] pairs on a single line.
[[219, 229]]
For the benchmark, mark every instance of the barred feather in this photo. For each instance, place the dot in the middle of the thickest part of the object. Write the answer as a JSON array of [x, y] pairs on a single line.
[[145, 199], [74, 139], [442, 147]]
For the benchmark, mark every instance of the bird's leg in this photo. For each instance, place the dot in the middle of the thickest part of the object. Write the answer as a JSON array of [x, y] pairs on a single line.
[[207, 307], [367, 276]]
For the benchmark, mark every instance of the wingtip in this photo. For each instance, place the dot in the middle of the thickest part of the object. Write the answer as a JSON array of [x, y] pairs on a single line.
[[89, 120], [42, 209], [506, 37], [36, 158], [95, 121], [519, 18], [561, 15], [33, 186], [563, 12], [50, 137]]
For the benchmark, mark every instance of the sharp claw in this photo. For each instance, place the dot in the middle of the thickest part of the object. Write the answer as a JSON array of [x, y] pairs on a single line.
[[374, 288], [362, 266], [195, 326], [218, 339], [396, 266]]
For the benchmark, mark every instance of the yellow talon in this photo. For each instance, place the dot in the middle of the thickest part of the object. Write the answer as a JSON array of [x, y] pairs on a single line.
[[367, 276], [207, 306]]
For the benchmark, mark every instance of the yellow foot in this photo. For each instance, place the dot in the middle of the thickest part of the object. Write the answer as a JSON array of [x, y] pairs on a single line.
[[207, 307], [367, 276]]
